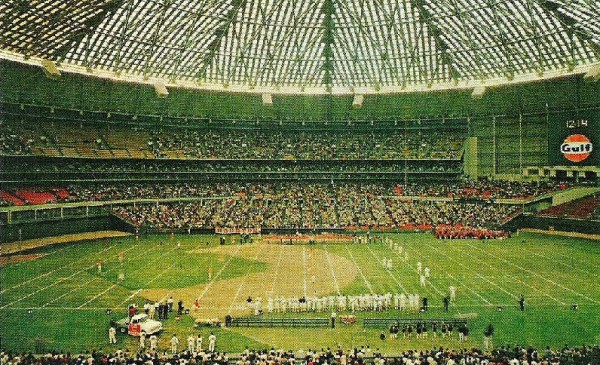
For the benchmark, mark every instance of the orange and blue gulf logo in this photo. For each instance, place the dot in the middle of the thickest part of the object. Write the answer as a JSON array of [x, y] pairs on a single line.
[[576, 147]]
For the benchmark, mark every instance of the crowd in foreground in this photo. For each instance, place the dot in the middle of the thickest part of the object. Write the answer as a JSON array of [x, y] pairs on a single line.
[[505, 355]]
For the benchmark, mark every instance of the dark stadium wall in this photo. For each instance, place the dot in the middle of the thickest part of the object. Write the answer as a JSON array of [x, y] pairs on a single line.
[[27, 231], [554, 224], [27, 84]]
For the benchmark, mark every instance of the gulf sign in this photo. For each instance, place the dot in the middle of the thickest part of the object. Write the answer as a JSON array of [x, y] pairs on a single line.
[[576, 147]]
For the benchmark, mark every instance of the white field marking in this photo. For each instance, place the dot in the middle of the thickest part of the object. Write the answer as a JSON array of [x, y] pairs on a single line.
[[536, 289], [210, 283], [54, 283], [79, 287], [437, 290], [367, 283], [386, 270], [142, 253], [335, 280], [304, 272], [153, 261], [70, 291], [471, 290], [98, 295], [541, 277], [41, 257], [276, 275], [242, 284], [518, 280], [54, 270], [476, 274], [560, 262]]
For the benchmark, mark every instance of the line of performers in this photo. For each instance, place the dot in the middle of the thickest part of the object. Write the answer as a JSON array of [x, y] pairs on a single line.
[[341, 303]]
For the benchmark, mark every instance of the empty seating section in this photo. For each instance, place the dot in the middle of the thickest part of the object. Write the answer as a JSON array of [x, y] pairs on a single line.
[[584, 208], [60, 138], [7, 199], [126, 142], [36, 197]]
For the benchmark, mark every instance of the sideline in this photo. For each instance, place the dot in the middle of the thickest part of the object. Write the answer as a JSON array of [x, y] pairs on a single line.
[[20, 246], [594, 237]]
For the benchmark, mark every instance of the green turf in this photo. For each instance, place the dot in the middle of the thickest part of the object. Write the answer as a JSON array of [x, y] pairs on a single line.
[[68, 296]]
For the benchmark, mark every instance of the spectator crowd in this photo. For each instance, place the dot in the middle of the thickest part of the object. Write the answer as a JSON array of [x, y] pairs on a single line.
[[364, 355], [18, 138]]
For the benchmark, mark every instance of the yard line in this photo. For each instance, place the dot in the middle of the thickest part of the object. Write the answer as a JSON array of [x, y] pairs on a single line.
[[52, 271], [518, 280], [97, 295], [218, 274], [79, 287], [560, 262], [134, 257], [360, 271], [478, 275], [539, 276], [53, 284], [276, 275], [70, 291], [386, 270], [156, 277], [487, 302], [243, 282], [41, 257], [417, 271], [305, 269], [335, 280], [153, 261]]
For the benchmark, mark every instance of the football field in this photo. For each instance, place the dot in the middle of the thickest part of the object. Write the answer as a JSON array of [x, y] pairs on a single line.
[[55, 298]]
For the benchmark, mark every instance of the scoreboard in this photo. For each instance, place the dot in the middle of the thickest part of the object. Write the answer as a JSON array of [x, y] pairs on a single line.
[[574, 138]]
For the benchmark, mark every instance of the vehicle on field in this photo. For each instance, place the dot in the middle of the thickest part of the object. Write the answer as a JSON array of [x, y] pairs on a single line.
[[137, 324]]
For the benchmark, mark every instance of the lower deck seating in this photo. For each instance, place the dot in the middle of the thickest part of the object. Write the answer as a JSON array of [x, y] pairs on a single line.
[[583, 208], [36, 197], [8, 199]]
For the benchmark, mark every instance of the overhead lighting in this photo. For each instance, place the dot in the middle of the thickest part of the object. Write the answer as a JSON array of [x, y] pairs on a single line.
[[161, 90], [478, 92], [267, 99], [358, 101], [50, 69], [593, 74]]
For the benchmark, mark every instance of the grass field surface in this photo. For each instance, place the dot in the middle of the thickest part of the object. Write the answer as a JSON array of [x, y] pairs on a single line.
[[58, 300]]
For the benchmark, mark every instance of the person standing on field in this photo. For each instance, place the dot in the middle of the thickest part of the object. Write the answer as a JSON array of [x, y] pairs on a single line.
[[174, 344], [212, 342], [142, 341], [112, 335], [153, 342], [191, 343]]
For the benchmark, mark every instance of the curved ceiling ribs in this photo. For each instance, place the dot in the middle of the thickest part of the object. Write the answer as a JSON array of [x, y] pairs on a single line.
[[306, 43]]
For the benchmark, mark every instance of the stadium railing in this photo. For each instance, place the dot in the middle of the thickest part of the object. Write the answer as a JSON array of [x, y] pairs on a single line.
[[278, 322], [386, 322]]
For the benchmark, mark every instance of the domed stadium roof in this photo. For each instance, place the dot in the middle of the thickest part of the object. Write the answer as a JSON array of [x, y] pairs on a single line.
[[345, 46]]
